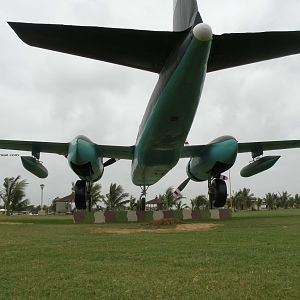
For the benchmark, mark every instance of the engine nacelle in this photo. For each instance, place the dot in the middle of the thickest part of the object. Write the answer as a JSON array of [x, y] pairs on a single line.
[[84, 159], [34, 166], [216, 158], [258, 166]]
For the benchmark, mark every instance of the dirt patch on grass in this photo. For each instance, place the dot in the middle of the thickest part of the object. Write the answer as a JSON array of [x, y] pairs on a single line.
[[178, 228], [11, 223]]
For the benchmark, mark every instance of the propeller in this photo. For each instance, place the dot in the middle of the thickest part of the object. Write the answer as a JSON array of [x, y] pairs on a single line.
[[110, 162], [181, 187]]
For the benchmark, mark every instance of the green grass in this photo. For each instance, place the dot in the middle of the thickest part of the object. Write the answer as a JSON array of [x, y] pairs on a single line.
[[255, 255]]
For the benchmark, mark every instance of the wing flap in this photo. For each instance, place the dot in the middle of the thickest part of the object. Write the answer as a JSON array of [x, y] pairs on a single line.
[[141, 49], [236, 49]]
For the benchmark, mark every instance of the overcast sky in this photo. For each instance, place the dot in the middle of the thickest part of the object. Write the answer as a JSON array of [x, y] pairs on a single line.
[[49, 96]]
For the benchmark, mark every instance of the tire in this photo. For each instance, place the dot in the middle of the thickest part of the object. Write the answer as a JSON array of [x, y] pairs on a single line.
[[143, 204], [80, 194], [220, 193]]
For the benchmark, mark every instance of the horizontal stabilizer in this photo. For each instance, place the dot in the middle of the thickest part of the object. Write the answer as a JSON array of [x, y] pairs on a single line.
[[149, 50], [236, 49], [140, 49]]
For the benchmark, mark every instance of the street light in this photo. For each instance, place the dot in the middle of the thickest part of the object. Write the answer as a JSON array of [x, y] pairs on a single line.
[[42, 187]]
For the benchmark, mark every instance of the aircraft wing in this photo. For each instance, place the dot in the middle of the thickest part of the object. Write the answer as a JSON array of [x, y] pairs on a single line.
[[236, 49], [36, 147], [252, 147], [140, 49], [192, 151], [118, 152], [256, 147]]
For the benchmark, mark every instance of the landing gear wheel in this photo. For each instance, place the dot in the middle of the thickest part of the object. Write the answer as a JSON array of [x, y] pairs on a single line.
[[142, 206], [142, 203], [219, 192], [80, 194], [89, 196]]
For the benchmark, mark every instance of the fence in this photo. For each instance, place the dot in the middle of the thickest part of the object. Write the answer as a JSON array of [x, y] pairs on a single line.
[[85, 217]]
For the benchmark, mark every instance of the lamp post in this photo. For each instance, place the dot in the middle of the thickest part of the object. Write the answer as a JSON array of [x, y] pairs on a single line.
[[42, 187]]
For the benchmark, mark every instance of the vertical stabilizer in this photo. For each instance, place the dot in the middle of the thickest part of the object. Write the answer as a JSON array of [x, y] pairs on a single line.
[[185, 14]]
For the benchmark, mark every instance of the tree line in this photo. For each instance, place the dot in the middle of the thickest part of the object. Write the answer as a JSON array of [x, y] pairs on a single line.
[[244, 199], [13, 198]]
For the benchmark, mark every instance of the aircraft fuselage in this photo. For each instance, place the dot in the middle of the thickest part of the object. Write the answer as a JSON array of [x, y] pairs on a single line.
[[171, 109]]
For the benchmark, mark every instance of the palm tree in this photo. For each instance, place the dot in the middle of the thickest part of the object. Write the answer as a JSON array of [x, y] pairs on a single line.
[[199, 201], [248, 197], [284, 200], [115, 198], [180, 205], [169, 199], [271, 200], [95, 193], [13, 194], [297, 200], [259, 203], [133, 203], [243, 199]]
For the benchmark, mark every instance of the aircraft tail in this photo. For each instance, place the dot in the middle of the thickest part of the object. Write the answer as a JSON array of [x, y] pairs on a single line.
[[186, 14]]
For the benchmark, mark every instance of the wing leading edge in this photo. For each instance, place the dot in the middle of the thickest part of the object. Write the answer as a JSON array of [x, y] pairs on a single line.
[[149, 50]]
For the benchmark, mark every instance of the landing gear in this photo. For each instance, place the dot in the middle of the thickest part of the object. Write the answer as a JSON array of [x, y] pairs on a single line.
[[80, 194], [83, 194], [89, 196], [217, 192], [142, 206]]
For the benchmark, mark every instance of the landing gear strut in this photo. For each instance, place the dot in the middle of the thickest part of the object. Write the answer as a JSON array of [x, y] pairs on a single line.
[[143, 198], [217, 192], [83, 194]]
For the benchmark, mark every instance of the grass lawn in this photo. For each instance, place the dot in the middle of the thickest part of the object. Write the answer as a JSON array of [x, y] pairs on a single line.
[[255, 255]]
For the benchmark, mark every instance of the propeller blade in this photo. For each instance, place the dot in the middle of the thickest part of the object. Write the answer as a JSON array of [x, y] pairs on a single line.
[[181, 187], [110, 162]]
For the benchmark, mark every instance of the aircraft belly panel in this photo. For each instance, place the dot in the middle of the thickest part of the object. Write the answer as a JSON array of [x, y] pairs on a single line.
[[158, 147]]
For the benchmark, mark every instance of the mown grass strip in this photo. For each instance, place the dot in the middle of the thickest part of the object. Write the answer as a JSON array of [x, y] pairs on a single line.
[[255, 255]]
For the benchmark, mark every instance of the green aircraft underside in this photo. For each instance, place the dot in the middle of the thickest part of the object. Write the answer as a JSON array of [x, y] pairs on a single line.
[[158, 146], [182, 58]]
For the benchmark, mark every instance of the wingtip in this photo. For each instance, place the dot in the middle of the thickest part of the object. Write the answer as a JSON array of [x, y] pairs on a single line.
[[13, 25], [21, 29]]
